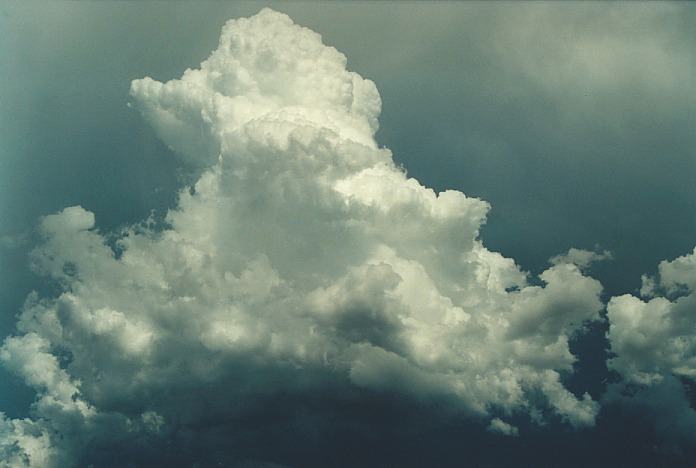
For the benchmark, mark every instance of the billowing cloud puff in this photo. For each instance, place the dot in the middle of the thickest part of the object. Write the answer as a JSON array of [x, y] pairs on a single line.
[[303, 264], [657, 338], [499, 426], [654, 344], [581, 258]]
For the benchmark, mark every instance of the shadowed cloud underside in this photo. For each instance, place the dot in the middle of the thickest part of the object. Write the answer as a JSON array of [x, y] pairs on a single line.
[[305, 265]]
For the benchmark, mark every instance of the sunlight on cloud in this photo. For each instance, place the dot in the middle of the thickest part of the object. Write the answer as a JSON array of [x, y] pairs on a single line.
[[302, 260]]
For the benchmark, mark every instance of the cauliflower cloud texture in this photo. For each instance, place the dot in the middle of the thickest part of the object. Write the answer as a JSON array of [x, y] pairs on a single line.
[[303, 264]]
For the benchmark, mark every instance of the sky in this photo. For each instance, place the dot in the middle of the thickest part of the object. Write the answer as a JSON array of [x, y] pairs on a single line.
[[464, 237]]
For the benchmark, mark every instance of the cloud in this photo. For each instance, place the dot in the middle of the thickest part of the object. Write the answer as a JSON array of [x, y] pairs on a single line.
[[654, 347], [550, 132], [679, 273], [499, 426], [302, 266], [657, 337], [583, 259]]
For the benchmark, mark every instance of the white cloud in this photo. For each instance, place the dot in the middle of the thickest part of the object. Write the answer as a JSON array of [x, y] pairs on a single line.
[[679, 273], [676, 277], [581, 258], [499, 426], [24, 442], [656, 338], [654, 346], [302, 259]]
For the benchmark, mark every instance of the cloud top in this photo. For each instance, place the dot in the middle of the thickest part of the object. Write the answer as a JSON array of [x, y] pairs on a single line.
[[303, 264], [264, 67]]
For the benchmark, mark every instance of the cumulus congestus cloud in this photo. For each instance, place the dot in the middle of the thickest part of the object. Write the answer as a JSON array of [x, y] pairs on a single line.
[[302, 266]]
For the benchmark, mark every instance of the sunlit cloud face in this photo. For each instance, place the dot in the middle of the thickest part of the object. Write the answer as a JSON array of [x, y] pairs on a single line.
[[305, 268]]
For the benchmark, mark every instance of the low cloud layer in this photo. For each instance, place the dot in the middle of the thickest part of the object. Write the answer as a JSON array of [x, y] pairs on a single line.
[[305, 267]]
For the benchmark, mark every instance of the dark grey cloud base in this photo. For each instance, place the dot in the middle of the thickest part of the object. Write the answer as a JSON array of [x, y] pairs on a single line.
[[574, 121]]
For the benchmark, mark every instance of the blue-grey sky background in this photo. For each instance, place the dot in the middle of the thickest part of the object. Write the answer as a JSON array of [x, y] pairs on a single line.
[[577, 122]]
